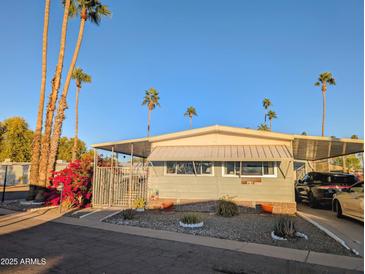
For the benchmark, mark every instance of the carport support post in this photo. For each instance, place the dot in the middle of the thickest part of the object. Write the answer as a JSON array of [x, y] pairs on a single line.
[[130, 180], [111, 183]]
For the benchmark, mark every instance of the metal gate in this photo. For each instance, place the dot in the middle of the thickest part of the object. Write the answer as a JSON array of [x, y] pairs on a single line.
[[119, 186]]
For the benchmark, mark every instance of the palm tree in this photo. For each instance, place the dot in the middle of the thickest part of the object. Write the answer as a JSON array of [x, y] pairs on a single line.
[[37, 139], [190, 112], [263, 127], [266, 103], [87, 9], [324, 79], [272, 115], [151, 100], [43, 162], [354, 136], [80, 77]]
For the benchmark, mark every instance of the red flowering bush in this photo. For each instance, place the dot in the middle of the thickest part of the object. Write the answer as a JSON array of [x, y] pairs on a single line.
[[76, 180]]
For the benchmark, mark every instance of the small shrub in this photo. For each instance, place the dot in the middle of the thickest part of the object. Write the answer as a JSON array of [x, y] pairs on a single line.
[[190, 219], [285, 227], [227, 208], [139, 203], [128, 214]]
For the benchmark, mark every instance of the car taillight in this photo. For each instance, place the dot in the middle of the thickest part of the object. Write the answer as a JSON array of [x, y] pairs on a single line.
[[334, 187]]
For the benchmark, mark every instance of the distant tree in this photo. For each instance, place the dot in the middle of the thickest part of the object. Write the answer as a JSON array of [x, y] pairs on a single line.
[[271, 115], [190, 112], [353, 162], [266, 103], [80, 77], [263, 127], [88, 155], [151, 100], [354, 136], [16, 140], [66, 147], [304, 133], [324, 79]]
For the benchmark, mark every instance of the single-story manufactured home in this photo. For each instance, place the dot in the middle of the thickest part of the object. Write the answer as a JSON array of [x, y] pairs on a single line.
[[249, 166]]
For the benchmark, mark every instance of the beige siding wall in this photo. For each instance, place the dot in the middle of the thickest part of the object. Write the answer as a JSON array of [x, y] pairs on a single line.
[[186, 187], [221, 139]]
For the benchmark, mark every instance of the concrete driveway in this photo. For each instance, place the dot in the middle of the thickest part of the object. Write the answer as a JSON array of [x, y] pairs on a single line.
[[349, 230]]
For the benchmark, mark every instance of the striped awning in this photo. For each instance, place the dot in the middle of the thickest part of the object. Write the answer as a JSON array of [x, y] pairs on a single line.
[[220, 153]]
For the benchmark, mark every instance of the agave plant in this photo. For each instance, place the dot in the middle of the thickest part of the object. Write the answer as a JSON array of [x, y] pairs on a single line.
[[285, 227]]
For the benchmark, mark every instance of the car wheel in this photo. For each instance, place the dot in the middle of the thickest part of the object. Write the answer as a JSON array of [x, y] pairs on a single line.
[[312, 201], [298, 199], [338, 209]]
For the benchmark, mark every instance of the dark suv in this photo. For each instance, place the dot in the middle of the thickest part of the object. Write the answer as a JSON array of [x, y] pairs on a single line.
[[318, 187]]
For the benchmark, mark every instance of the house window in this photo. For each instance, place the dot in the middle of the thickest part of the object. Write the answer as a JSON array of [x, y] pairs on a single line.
[[250, 169], [189, 168]]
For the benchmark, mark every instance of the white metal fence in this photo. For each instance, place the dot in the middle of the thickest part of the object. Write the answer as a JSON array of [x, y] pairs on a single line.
[[119, 186]]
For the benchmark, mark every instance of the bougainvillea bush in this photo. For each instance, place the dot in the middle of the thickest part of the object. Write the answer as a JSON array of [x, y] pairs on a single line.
[[76, 179]]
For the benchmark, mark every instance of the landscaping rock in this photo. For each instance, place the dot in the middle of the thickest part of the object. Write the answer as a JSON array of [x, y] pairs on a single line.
[[255, 228]]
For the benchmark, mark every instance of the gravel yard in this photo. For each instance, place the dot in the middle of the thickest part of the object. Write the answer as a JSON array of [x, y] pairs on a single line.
[[248, 227]]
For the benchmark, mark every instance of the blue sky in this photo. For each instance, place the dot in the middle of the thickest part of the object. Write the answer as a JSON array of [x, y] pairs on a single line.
[[223, 57]]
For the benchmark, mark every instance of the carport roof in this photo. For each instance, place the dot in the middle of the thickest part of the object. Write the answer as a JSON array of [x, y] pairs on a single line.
[[309, 148]]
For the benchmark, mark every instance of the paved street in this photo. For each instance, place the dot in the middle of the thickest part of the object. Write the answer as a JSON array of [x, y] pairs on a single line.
[[351, 231], [76, 249]]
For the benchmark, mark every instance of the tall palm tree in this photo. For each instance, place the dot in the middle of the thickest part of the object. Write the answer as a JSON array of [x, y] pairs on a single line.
[[37, 139], [266, 103], [151, 100], [80, 77], [190, 112], [43, 162], [271, 115], [87, 9], [263, 127], [324, 79]]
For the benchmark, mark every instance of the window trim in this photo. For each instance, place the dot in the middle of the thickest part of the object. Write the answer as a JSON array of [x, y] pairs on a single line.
[[275, 175], [200, 175]]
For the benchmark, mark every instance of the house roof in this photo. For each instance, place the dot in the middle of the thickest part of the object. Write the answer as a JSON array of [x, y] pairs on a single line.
[[304, 147]]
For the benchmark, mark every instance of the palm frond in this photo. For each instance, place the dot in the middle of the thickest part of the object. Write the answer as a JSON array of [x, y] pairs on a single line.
[[151, 98], [190, 111], [266, 103], [80, 76]]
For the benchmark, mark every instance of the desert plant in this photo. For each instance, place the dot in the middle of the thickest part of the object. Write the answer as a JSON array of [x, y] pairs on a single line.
[[128, 214], [227, 208], [190, 218], [139, 203], [285, 227]]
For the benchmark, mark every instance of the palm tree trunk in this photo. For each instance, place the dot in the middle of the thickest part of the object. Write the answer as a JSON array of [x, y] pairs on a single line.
[[270, 124], [36, 151], [191, 122], [52, 100], [60, 117], [148, 122], [324, 110], [74, 149]]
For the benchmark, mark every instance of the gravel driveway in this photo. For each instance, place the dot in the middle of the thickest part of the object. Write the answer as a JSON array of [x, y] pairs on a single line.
[[247, 227]]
